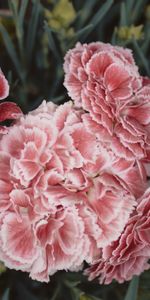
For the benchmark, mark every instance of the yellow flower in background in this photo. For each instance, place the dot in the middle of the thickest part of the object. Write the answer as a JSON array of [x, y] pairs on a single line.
[[2, 268], [127, 33], [7, 22], [85, 297], [61, 16]]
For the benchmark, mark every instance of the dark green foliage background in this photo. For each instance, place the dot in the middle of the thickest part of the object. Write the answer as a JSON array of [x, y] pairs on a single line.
[[32, 52]]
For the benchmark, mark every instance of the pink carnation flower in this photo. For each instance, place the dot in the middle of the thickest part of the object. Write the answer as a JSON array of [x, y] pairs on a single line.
[[99, 77], [129, 255], [70, 176], [105, 82], [108, 73], [41, 160], [54, 183]]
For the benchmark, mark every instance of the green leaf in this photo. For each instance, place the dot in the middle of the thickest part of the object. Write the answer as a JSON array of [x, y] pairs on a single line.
[[23, 293], [85, 12], [51, 41], [114, 38], [56, 292], [141, 56], [129, 6], [80, 33], [101, 12], [99, 16], [13, 5], [132, 289], [22, 11], [6, 295], [146, 41], [32, 28], [137, 10], [71, 284], [58, 99], [123, 15], [11, 50]]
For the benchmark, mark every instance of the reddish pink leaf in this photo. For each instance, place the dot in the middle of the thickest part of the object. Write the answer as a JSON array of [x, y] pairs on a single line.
[[9, 110]]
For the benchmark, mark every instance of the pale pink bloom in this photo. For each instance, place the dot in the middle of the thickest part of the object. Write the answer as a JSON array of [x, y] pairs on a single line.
[[93, 63], [129, 255], [104, 81], [41, 171], [99, 77]]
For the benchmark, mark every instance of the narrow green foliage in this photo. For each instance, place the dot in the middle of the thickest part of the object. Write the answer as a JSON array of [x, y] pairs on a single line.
[[132, 289], [85, 12], [137, 9], [11, 51], [51, 41], [13, 5], [6, 295], [142, 57], [85, 30], [123, 14], [146, 42], [32, 29], [99, 16], [129, 6], [18, 19], [22, 12]]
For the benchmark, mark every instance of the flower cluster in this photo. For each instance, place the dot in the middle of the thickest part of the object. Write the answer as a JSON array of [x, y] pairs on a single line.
[[74, 178]]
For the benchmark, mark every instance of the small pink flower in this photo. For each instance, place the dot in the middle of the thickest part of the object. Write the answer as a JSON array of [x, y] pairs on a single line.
[[129, 255], [4, 87], [8, 110]]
